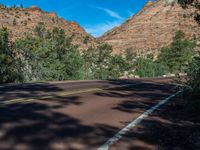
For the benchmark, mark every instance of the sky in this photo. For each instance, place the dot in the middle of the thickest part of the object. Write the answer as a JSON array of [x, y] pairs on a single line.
[[95, 16]]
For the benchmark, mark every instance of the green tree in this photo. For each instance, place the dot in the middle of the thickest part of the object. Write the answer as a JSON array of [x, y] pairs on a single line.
[[117, 67], [50, 55], [178, 55], [130, 61], [193, 73], [103, 61], [90, 57], [40, 30], [146, 67], [9, 64], [100, 63], [193, 94]]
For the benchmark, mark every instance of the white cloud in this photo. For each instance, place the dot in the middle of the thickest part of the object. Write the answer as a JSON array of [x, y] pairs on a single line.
[[110, 12], [130, 13], [98, 29]]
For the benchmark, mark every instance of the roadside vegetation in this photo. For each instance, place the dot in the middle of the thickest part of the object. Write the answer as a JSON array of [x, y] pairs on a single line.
[[193, 84], [192, 97], [51, 55]]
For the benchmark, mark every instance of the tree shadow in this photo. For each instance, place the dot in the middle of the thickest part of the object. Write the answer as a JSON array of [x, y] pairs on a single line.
[[36, 126], [138, 97], [168, 129], [27, 90]]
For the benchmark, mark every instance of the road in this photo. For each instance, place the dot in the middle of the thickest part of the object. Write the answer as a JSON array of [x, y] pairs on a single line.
[[74, 115]]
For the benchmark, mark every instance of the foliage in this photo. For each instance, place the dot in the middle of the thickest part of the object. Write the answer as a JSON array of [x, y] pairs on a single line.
[[184, 3], [103, 62], [86, 39], [9, 64], [146, 67], [178, 55], [100, 63], [130, 61], [50, 55], [194, 77], [193, 82]]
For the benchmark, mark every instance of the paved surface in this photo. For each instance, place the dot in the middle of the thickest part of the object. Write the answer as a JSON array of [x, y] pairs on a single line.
[[73, 115]]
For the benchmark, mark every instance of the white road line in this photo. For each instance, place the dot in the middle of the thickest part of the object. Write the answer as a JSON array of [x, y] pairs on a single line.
[[135, 122]]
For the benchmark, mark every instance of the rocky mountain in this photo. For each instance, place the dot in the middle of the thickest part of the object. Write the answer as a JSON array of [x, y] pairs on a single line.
[[153, 27], [21, 20]]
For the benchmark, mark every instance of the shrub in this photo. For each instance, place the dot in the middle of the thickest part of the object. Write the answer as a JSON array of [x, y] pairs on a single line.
[[14, 22], [86, 39], [146, 67]]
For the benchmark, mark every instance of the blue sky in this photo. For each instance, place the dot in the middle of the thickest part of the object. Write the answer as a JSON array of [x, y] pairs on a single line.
[[95, 16]]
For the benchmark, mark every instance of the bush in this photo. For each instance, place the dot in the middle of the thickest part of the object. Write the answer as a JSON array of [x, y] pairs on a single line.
[[146, 67]]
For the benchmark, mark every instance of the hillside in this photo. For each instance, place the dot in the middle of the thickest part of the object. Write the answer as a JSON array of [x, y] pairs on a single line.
[[23, 20], [153, 27]]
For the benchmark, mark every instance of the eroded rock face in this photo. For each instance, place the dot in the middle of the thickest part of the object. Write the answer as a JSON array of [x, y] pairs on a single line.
[[22, 20], [153, 28]]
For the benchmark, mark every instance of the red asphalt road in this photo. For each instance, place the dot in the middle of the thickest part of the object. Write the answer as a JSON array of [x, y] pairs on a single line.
[[81, 121]]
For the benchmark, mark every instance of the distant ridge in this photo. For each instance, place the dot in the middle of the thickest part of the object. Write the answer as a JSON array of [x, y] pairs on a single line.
[[21, 20], [153, 28]]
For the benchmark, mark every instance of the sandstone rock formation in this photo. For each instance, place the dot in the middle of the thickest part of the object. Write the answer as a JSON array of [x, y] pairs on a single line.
[[22, 20], [153, 28]]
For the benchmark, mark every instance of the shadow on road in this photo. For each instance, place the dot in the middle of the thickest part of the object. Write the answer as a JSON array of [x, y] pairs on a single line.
[[38, 126], [140, 96], [27, 90], [171, 128]]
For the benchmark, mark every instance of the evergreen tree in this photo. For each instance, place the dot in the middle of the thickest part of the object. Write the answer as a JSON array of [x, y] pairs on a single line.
[[179, 54], [51, 55], [9, 64], [194, 76]]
